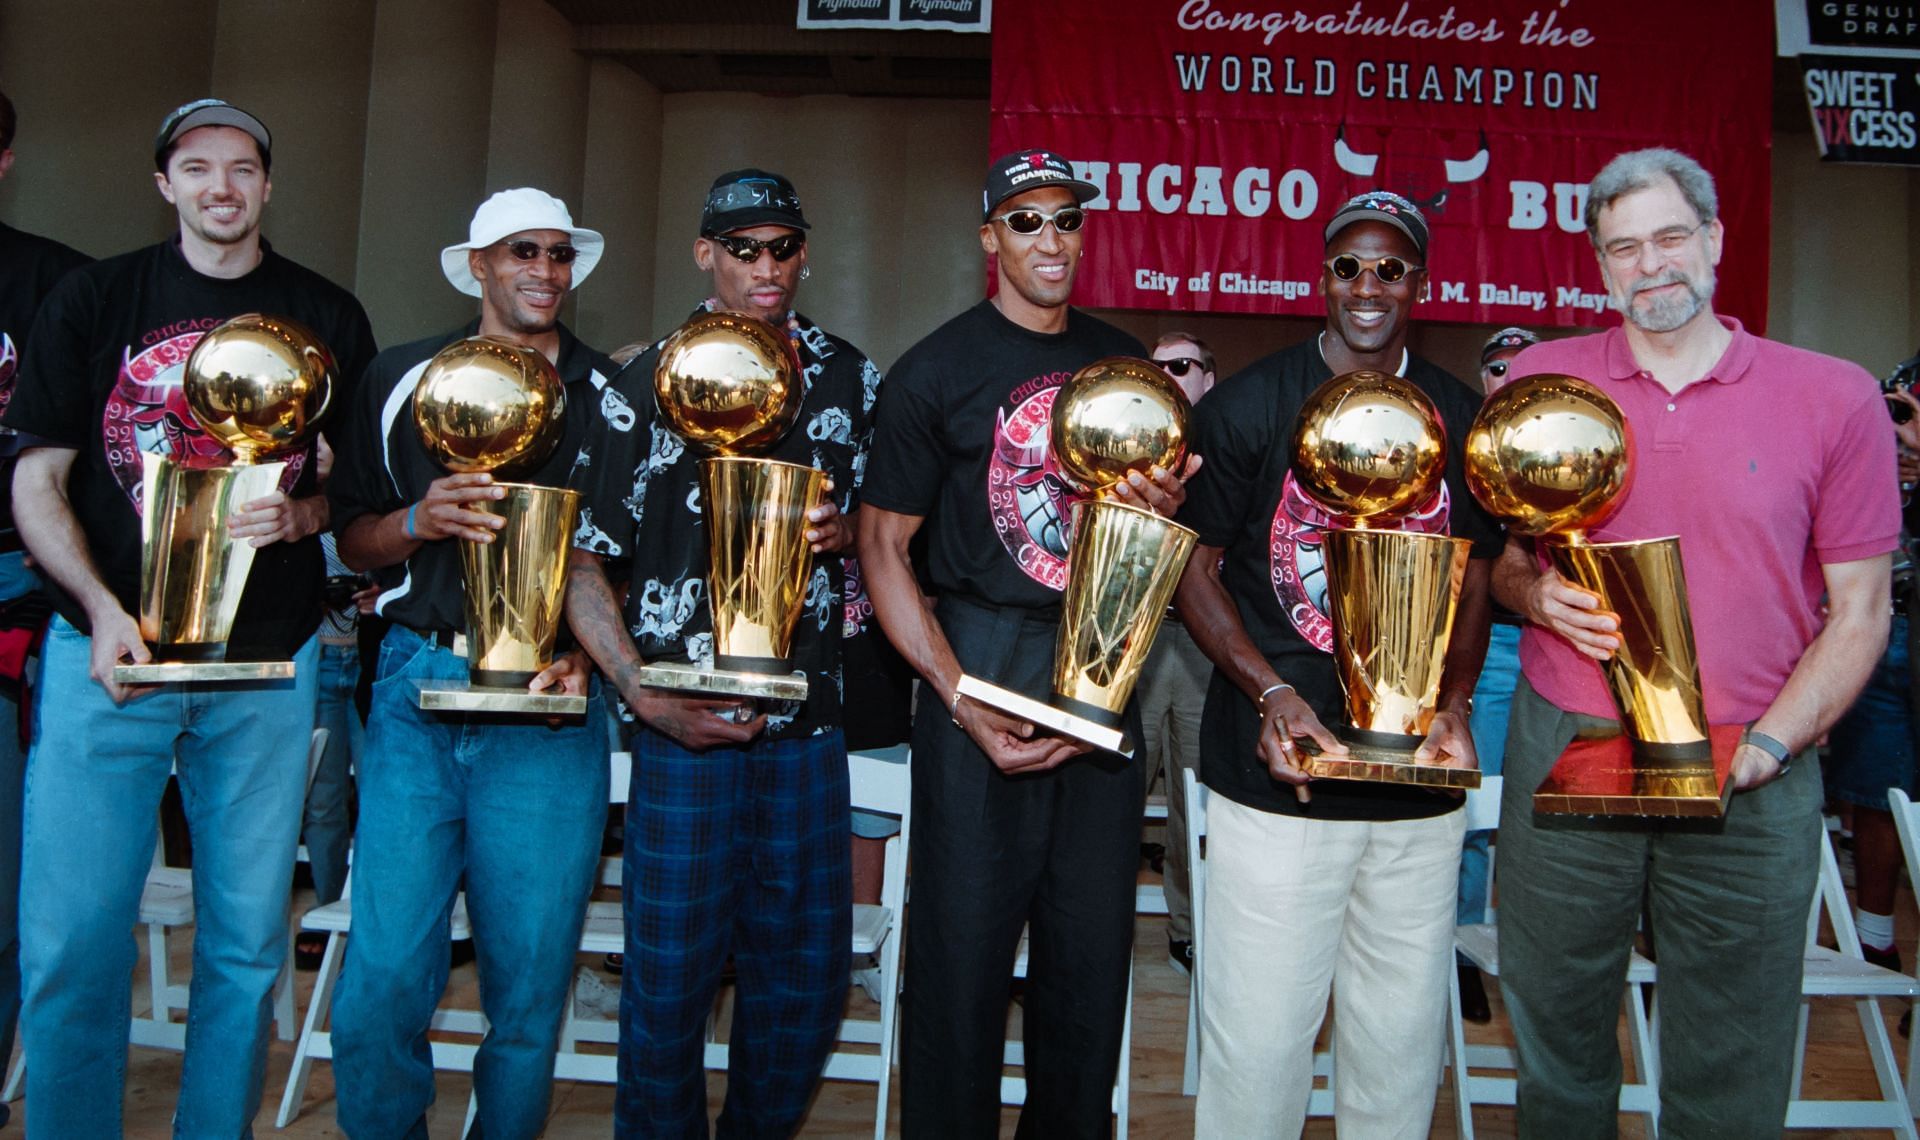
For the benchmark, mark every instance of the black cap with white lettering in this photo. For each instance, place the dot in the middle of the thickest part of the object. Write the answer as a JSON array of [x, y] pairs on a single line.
[[1383, 206], [1025, 170]]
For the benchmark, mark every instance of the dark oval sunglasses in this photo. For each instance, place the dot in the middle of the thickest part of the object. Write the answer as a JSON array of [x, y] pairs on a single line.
[[1179, 366], [748, 249], [1497, 370], [526, 250], [1390, 270]]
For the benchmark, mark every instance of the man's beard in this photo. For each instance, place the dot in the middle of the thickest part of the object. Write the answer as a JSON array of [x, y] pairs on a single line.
[[1665, 314]]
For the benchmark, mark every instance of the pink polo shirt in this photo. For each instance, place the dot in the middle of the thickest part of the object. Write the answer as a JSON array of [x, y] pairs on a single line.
[[1777, 462]]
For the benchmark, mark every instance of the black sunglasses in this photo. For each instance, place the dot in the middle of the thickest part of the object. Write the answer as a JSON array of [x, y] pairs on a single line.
[[1026, 223], [526, 250], [1497, 369], [748, 249], [1181, 365], [1390, 270]]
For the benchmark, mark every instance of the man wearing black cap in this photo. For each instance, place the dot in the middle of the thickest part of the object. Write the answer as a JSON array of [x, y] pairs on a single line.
[[99, 383], [30, 266], [511, 807], [1355, 881], [1012, 830], [737, 819]]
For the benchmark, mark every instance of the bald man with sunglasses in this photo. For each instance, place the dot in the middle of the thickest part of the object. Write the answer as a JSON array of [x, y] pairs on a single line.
[[1352, 882], [737, 821]]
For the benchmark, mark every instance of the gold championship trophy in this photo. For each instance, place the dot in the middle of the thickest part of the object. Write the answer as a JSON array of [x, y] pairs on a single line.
[[487, 404], [1113, 417], [1552, 456], [258, 385], [1369, 448], [727, 383]]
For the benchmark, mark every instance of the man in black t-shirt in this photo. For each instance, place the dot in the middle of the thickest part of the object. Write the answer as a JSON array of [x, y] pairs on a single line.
[[511, 806], [30, 266], [736, 835], [100, 383], [1012, 830], [1354, 880]]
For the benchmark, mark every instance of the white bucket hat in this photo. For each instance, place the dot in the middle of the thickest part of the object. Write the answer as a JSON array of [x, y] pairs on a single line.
[[515, 211]]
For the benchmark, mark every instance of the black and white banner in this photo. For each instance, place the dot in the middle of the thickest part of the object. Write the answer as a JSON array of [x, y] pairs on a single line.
[[899, 15]]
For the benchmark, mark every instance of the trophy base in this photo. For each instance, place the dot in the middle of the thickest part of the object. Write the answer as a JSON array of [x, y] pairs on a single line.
[[467, 697], [1618, 776], [1044, 716], [1383, 758], [685, 678], [203, 672]]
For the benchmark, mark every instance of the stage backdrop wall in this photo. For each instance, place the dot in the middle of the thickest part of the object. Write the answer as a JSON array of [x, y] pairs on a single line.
[[1224, 132]]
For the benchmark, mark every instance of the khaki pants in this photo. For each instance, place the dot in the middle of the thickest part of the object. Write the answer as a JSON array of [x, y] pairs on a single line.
[[1295, 907]]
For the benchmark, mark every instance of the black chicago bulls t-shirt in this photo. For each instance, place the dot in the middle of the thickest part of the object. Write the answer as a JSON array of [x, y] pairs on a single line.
[[961, 441], [1245, 500], [101, 374], [30, 266]]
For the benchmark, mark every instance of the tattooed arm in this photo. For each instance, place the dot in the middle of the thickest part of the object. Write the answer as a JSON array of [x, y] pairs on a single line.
[[593, 612]]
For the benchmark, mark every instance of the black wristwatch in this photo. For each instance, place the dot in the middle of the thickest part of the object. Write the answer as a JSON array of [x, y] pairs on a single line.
[[1770, 746]]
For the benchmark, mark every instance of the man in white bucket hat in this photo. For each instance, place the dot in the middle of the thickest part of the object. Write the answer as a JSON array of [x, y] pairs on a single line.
[[516, 806]]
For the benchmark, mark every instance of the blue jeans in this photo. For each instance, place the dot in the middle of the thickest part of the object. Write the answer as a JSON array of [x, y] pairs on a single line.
[[328, 828], [517, 807], [1492, 702], [15, 579], [94, 779], [1873, 745]]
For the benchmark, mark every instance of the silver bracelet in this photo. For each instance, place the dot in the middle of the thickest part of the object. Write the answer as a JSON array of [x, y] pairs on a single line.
[[1261, 700]]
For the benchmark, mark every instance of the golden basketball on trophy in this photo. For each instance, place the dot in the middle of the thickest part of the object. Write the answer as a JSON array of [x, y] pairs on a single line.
[[1114, 417], [487, 404], [259, 385], [1551, 456], [1370, 448], [729, 385]]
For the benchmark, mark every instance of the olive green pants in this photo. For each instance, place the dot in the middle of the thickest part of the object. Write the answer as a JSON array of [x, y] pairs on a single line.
[[1728, 903]]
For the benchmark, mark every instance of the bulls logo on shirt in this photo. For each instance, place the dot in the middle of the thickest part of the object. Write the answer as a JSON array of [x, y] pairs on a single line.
[[1297, 561], [1030, 502]]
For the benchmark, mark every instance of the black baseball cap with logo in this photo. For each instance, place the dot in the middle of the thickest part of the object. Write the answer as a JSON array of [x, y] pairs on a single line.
[[742, 198], [1505, 339], [1382, 206], [209, 113], [1025, 170]]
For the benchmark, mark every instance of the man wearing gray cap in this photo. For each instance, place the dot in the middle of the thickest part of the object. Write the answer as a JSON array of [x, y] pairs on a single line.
[[1355, 880], [512, 807], [100, 383], [737, 823]]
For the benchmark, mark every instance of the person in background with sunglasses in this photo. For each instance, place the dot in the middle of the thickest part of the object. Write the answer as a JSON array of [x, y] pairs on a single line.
[[1173, 690], [1013, 829], [1492, 697], [512, 807], [1354, 880], [737, 822], [1774, 467]]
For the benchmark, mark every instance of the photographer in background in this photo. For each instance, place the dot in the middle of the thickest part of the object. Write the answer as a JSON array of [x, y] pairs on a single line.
[[1873, 747]]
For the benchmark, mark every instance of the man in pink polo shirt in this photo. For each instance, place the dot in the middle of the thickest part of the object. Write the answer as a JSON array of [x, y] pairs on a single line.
[[1773, 466]]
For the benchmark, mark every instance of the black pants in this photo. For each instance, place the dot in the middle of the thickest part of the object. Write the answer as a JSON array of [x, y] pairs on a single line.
[[1056, 852]]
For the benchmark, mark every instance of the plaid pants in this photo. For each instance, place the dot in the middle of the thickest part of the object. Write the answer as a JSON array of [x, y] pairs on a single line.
[[741, 852]]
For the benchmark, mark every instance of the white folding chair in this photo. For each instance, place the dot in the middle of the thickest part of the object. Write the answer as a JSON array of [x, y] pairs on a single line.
[[166, 902], [1151, 898], [1906, 820], [1479, 943], [1845, 973], [880, 781]]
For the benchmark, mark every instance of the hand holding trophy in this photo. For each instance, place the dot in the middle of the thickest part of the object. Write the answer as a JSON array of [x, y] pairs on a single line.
[[486, 404], [1370, 448], [259, 385], [729, 385], [1551, 456], [1113, 417]]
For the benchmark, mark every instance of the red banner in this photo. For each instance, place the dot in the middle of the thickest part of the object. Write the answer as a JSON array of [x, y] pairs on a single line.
[[1223, 133]]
